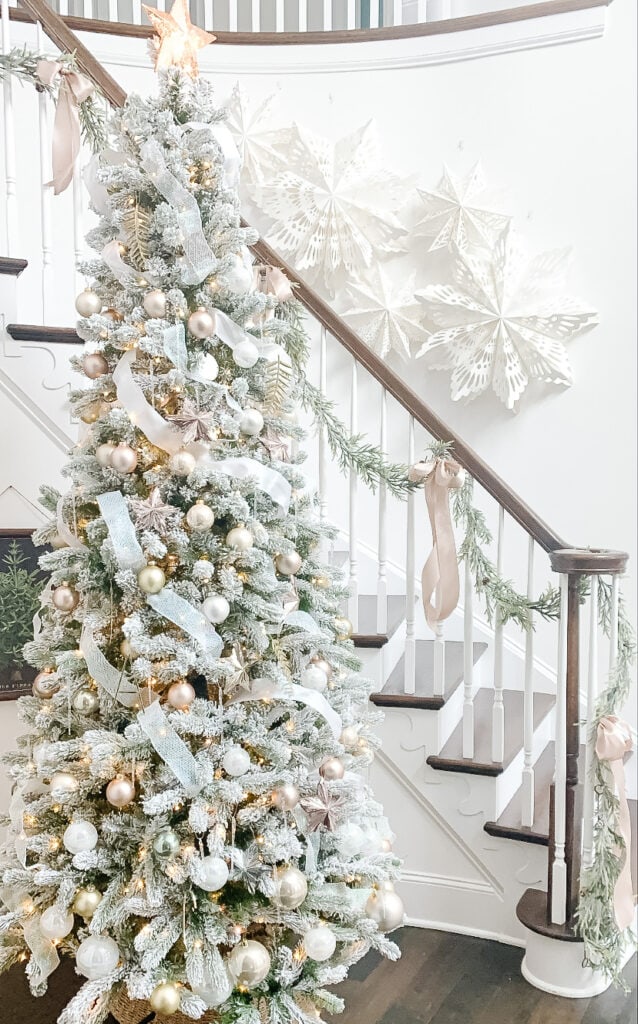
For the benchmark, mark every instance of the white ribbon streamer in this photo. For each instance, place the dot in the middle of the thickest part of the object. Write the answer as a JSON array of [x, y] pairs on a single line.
[[198, 260], [267, 479], [300, 694], [113, 680], [143, 415], [121, 271], [301, 620], [44, 956], [171, 748], [114, 511], [183, 614]]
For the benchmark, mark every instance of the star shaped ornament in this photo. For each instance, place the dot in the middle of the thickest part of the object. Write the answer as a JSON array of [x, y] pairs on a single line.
[[277, 446], [454, 215], [239, 675], [177, 39], [323, 809], [196, 424], [248, 867], [153, 513], [387, 318]]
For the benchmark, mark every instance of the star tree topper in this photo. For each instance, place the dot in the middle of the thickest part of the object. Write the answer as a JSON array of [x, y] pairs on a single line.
[[178, 39]]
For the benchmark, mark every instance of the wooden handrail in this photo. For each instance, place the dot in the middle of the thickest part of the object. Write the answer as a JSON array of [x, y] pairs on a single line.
[[488, 19]]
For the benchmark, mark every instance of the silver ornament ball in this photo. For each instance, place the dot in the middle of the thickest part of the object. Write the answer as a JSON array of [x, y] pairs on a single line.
[[200, 516], [56, 923], [88, 302], [332, 769], [95, 365], [182, 463], [151, 579], [288, 564], [201, 324], [85, 700], [239, 538], [165, 999], [245, 354], [251, 422], [319, 943], [385, 908], [120, 792], [97, 956], [166, 843], [65, 598], [80, 836], [291, 888], [155, 303], [216, 608], [86, 902], [103, 453], [123, 459], [249, 963], [180, 695], [286, 797]]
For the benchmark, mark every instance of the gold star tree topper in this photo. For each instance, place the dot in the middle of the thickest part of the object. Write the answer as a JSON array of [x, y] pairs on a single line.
[[179, 40]]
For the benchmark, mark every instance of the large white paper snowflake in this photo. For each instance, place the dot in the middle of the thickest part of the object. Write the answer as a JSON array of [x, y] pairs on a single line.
[[386, 317], [454, 215], [334, 205], [255, 136], [505, 321]]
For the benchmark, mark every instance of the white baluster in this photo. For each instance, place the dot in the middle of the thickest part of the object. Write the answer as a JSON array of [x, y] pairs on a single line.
[[468, 662], [351, 14], [280, 23], [113, 15], [592, 694], [232, 15], [559, 866], [527, 782], [78, 222], [409, 664], [11, 195], [322, 438], [327, 16], [382, 577], [208, 15], [438, 10], [160, 4], [137, 12], [255, 20], [353, 513], [303, 15], [45, 190], [374, 13], [87, 8], [498, 709], [63, 8], [397, 12], [613, 623], [421, 12]]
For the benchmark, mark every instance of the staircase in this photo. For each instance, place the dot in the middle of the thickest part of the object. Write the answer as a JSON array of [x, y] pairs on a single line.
[[482, 768]]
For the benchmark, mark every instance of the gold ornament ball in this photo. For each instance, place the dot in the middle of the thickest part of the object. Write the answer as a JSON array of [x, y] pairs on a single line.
[[85, 700], [92, 412], [385, 907], [201, 324], [288, 564], [123, 458], [350, 737], [155, 303], [240, 538], [343, 627], [45, 685], [95, 365], [88, 302], [165, 998], [120, 792], [180, 695], [86, 902], [291, 888], [65, 598], [286, 797], [332, 769], [322, 582], [151, 579]]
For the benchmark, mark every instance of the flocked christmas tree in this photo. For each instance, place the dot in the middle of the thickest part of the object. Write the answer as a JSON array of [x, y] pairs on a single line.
[[189, 820]]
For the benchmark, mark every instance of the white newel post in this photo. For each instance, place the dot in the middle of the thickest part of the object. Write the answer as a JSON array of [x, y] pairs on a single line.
[[409, 678], [592, 693], [527, 786], [559, 865], [498, 709], [353, 512], [382, 578]]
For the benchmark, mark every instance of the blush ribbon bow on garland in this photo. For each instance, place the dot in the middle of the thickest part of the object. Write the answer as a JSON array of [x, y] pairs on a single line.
[[613, 741], [440, 576], [73, 89]]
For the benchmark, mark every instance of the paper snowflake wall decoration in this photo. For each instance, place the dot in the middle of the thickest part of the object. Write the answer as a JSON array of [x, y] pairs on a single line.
[[255, 136], [386, 317], [333, 205], [504, 322], [455, 217]]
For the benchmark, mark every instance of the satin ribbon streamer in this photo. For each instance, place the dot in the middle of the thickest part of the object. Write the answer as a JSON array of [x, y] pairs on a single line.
[[198, 260], [113, 680], [158, 431], [268, 480], [73, 89], [613, 741], [300, 694], [171, 748], [440, 576], [121, 271], [272, 281]]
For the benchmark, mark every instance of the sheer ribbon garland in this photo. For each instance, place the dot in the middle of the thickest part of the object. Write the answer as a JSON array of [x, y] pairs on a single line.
[[613, 742], [73, 89], [440, 576]]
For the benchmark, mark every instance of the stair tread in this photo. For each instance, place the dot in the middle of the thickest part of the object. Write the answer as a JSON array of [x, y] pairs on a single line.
[[451, 756], [393, 695], [12, 267], [366, 634], [42, 332]]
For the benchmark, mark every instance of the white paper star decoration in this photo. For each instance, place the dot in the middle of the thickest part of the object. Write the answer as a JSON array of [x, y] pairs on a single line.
[[455, 217], [504, 322], [256, 141], [333, 205], [387, 318]]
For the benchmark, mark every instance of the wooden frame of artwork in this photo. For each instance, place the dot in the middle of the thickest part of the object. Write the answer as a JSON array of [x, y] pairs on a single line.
[[21, 582]]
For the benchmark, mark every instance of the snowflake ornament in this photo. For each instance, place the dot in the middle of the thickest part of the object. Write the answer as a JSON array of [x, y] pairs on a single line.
[[454, 216], [505, 322], [333, 204], [197, 425], [153, 513], [256, 143], [385, 317]]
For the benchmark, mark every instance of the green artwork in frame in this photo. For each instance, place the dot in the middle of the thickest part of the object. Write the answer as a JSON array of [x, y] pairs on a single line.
[[21, 583]]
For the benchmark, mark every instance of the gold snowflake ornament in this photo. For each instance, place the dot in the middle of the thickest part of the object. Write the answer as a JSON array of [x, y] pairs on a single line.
[[178, 40]]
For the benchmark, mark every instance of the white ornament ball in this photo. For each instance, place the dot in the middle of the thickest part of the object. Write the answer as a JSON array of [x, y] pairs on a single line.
[[249, 963], [165, 999], [288, 564], [80, 836], [151, 579], [286, 797], [103, 453], [245, 354], [180, 695], [212, 993], [123, 459], [120, 792], [216, 608], [95, 365], [324, 665], [251, 422], [350, 737], [239, 538], [86, 902], [207, 367], [373, 842], [351, 839], [63, 783], [182, 463], [319, 943], [88, 302], [97, 956], [210, 873], [314, 678], [332, 769], [200, 516], [385, 908], [56, 923], [236, 761], [201, 324], [155, 303], [239, 277], [65, 598], [291, 888]]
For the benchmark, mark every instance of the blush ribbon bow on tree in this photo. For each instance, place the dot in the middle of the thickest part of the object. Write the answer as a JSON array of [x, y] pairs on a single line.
[[440, 576], [73, 89], [613, 741]]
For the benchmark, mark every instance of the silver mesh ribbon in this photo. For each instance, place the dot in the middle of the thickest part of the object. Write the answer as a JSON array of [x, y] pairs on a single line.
[[175, 346], [150, 422], [171, 748], [121, 530], [44, 957], [183, 614], [198, 260], [113, 680], [302, 620]]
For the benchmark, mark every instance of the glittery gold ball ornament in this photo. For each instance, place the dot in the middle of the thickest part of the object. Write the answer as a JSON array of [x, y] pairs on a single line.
[[180, 695], [291, 888], [151, 579], [103, 453], [286, 797], [385, 907], [65, 598], [95, 365], [201, 324], [155, 303], [288, 564], [165, 998], [239, 538], [322, 582], [332, 769], [85, 700], [343, 627], [249, 963], [124, 458], [86, 902], [182, 463], [200, 516], [88, 302], [45, 685], [92, 412], [120, 792]]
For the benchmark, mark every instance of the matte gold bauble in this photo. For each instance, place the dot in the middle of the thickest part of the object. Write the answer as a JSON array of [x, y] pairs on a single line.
[[288, 564], [86, 902], [92, 412], [332, 769], [88, 302], [124, 458], [240, 538], [85, 700], [151, 579], [120, 792], [65, 598], [165, 998], [95, 365], [201, 324]]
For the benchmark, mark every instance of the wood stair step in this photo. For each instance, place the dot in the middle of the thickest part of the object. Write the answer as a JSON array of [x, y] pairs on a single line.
[[451, 757], [366, 634], [12, 267], [50, 335], [393, 696]]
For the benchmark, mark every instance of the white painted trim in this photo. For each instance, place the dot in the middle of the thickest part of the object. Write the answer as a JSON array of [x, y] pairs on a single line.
[[460, 929], [447, 881], [20, 398]]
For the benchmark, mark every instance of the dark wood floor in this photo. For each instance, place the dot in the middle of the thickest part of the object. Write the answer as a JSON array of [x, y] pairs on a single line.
[[440, 979]]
